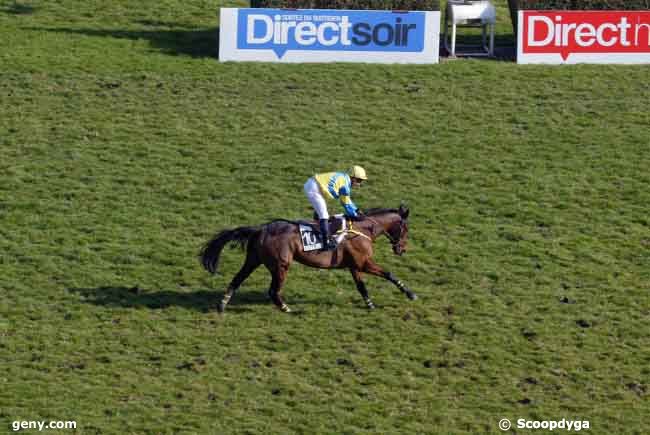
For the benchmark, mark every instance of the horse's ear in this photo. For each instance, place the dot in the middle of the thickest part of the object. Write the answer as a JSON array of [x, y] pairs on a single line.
[[404, 211]]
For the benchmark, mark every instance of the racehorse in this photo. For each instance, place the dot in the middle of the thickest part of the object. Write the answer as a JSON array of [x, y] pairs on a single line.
[[278, 243]]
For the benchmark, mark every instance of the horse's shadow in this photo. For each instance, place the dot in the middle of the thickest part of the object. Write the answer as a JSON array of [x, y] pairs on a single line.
[[18, 9], [200, 300], [169, 38]]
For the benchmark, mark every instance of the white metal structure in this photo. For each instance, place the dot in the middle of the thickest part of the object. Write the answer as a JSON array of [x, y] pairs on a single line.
[[470, 13]]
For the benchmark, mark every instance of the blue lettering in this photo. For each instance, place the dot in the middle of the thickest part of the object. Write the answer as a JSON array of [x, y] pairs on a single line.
[[363, 37]]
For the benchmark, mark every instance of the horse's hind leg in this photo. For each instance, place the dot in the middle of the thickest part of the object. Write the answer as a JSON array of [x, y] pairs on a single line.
[[279, 276], [361, 287], [251, 263]]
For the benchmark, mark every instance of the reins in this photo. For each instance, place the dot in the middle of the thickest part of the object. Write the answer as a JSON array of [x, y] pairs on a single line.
[[386, 233], [358, 233]]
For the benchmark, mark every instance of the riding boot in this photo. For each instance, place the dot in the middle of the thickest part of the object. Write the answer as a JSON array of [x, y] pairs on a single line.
[[325, 235]]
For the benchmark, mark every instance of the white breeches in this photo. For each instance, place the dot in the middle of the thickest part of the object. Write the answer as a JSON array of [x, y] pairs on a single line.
[[312, 191]]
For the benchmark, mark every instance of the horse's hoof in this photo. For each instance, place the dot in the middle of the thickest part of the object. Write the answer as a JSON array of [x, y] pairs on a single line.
[[221, 308], [285, 308], [370, 305], [412, 296]]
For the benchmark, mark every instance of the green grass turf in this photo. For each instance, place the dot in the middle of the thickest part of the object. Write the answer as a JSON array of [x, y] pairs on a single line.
[[124, 145]]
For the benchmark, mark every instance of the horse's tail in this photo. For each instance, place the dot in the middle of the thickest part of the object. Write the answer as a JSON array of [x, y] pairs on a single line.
[[211, 251]]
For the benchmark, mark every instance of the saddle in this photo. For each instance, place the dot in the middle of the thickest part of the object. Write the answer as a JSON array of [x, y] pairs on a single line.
[[337, 223]]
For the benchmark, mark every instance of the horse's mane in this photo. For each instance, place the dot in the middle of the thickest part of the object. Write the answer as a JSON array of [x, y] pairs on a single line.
[[379, 210]]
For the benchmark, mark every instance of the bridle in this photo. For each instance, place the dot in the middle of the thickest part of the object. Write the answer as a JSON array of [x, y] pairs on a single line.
[[394, 241]]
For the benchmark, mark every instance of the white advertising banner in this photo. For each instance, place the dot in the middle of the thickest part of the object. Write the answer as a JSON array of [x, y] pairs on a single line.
[[583, 37], [310, 35]]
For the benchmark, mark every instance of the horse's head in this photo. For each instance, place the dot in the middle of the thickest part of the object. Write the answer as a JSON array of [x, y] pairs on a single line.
[[398, 231]]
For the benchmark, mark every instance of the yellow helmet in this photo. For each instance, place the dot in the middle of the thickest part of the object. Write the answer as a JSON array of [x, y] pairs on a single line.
[[357, 172]]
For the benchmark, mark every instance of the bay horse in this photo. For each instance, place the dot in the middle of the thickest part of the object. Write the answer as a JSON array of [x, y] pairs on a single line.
[[278, 243]]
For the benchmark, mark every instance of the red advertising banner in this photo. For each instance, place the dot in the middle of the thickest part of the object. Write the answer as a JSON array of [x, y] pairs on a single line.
[[584, 36]]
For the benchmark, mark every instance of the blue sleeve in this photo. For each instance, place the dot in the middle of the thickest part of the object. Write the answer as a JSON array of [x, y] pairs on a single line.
[[346, 201], [344, 190], [350, 209]]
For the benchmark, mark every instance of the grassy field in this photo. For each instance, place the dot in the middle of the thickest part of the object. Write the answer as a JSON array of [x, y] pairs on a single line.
[[124, 145]]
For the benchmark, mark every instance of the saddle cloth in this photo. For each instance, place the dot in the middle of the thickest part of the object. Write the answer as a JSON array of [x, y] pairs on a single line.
[[311, 238]]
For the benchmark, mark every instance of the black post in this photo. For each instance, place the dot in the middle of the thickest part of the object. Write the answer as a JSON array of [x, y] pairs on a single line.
[[514, 11]]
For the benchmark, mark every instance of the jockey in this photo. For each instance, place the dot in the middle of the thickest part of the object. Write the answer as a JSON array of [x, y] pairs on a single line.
[[333, 185]]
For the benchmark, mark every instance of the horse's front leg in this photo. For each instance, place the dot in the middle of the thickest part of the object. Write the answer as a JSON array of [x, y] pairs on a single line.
[[361, 287], [374, 269]]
